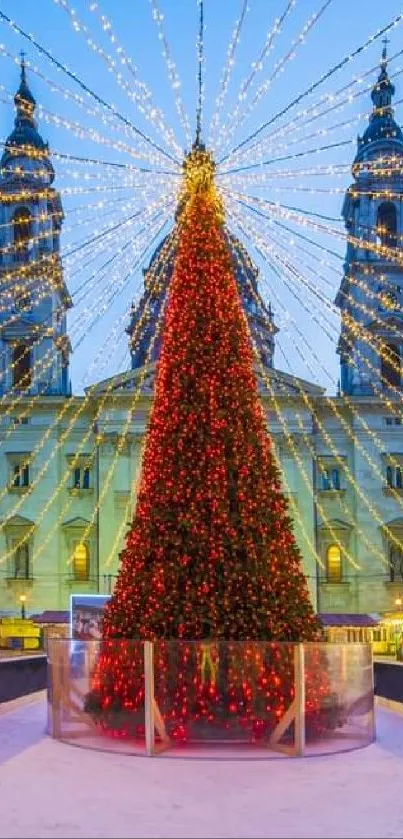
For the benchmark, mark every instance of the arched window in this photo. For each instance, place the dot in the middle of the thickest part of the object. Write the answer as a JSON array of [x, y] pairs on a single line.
[[22, 365], [386, 224], [389, 476], [21, 561], [81, 563], [333, 564], [395, 562], [398, 477], [22, 231], [391, 365]]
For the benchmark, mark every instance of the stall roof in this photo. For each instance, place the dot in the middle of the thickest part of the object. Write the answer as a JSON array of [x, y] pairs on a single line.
[[345, 619], [49, 616]]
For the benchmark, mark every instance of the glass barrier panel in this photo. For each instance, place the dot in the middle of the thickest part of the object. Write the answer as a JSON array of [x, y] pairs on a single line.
[[339, 697], [225, 693], [96, 693], [279, 698]]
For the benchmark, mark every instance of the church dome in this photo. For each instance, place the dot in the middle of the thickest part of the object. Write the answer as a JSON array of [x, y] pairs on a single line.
[[383, 128], [145, 314]]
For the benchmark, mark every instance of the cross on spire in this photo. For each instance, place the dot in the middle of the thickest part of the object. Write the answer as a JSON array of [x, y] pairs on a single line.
[[200, 45], [22, 62], [385, 42]]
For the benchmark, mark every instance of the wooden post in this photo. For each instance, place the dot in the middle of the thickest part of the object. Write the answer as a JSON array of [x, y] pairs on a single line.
[[371, 659], [344, 668], [299, 683], [149, 697], [56, 686]]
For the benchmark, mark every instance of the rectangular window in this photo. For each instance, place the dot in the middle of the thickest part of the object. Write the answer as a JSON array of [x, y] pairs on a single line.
[[394, 476], [325, 479], [21, 560], [330, 479], [391, 372], [86, 478], [335, 479], [21, 474], [81, 477], [395, 562], [22, 366]]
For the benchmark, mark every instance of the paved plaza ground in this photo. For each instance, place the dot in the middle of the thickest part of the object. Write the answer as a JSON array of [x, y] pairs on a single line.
[[49, 789]]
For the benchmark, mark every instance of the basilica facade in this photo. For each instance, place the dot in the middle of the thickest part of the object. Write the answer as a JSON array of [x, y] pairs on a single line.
[[69, 464]]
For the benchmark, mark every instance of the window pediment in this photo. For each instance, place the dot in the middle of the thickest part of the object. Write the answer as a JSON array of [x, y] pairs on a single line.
[[336, 525], [18, 521], [78, 523], [393, 458], [17, 457], [394, 526]]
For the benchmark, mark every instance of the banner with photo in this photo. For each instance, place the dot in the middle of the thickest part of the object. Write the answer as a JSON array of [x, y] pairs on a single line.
[[86, 613]]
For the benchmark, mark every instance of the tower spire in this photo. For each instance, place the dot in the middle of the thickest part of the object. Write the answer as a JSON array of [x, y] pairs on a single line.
[[24, 100], [200, 47], [383, 90]]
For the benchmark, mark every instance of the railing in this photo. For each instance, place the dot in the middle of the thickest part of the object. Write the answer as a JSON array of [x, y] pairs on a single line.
[[21, 674], [389, 680], [145, 697]]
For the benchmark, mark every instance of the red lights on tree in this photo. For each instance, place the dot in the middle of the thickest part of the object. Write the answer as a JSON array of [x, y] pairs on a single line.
[[211, 553]]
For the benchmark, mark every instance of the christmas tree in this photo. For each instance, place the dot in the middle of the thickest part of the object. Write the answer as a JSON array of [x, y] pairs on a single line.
[[211, 554]]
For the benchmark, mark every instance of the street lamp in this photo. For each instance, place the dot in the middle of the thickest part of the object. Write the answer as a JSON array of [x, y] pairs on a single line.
[[23, 600]]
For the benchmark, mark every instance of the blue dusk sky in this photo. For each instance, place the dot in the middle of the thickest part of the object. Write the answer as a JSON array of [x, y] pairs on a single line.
[[299, 278]]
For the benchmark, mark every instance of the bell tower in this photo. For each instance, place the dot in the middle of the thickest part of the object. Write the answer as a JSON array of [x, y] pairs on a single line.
[[371, 293], [34, 346]]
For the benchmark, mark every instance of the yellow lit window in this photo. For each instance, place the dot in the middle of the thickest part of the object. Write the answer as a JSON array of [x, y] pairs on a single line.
[[81, 562], [334, 564]]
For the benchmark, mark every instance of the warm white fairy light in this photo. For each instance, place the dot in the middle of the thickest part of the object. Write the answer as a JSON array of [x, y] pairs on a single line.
[[370, 311], [107, 277], [172, 71], [227, 71], [396, 21], [331, 402], [256, 67], [104, 399], [110, 108], [114, 283], [307, 441], [365, 334], [326, 104], [144, 97], [92, 110], [90, 316], [130, 89], [82, 404], [278, 70]]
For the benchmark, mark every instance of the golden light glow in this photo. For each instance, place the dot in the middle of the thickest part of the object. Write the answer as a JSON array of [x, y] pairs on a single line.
[[81, 562], [334, 563]]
